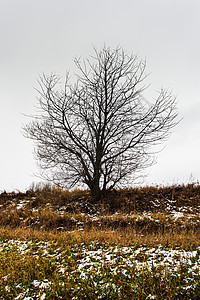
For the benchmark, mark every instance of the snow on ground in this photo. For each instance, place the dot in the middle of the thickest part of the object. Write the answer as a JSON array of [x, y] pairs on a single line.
[[167, 209], [95, 257]]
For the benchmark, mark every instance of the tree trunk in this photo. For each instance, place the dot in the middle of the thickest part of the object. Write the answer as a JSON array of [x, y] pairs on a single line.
[[96, 191]]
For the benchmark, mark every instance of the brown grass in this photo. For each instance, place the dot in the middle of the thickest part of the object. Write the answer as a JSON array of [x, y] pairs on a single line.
[[130, 216], [184, 239]]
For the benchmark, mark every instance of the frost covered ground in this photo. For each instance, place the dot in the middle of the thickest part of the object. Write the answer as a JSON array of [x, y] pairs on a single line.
[[97, 271]]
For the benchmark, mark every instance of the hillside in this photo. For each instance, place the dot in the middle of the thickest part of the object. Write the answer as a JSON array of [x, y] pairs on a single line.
[[139, 243], [147, 209]]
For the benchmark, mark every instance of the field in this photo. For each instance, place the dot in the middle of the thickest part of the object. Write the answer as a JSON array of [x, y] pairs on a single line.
[[139, 243]]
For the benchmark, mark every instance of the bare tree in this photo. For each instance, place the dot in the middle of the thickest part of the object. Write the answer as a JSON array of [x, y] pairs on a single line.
[[100, 130]]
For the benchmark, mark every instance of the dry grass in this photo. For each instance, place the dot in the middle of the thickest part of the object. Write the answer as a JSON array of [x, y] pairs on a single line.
[[57, 244], [184, 240], [142, 215]]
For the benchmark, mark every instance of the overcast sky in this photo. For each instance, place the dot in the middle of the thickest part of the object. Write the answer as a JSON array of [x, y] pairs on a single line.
[[39, 36]]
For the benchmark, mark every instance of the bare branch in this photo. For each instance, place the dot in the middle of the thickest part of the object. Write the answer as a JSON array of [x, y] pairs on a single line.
[[99, 131]]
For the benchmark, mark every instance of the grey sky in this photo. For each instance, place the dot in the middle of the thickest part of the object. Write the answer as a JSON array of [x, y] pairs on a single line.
[[45, 35]]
